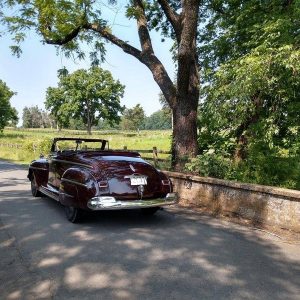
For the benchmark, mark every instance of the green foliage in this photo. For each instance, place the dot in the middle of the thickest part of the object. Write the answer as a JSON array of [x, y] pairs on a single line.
[[37, 141], [133, 118], [211, 164], [38, 146], [86, 95], [55, 20], [251, 60], [34, 117], [249, 116], [8, 114], [159, 120], [270, 167], [105, 125], [76, 124], [45, 145], [252, 91], [80, 27], [262, 166]]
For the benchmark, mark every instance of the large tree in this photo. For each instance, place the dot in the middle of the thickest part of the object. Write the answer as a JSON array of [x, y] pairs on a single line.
[[88, 95], [250, 53], [34, 117], [68, 23], [133, 118], [7, 112]]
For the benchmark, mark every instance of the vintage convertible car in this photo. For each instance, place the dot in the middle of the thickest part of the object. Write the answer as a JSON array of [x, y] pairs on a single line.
[[84, 175]]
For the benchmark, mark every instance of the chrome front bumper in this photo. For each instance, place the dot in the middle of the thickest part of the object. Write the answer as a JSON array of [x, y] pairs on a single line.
[[109, 203]]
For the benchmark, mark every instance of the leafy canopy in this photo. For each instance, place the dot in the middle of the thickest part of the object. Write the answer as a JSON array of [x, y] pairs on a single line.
[[34, 117], [250, 53], [63, 21], [7, 112], [250, 108], [159, 120], [88, 95], [133, 118]]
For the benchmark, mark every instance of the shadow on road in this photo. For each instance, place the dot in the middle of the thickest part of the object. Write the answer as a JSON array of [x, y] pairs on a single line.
[[8, 167], [124, 255]]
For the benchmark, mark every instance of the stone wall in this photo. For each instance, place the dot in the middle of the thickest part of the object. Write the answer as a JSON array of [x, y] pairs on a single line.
[[263, 204]]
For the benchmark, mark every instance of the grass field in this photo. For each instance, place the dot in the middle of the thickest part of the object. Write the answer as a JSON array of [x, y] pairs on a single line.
[[34, 141]]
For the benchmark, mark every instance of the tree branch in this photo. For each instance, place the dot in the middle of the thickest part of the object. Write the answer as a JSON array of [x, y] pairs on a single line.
[[127, 48], [64, 40], [172, 17], [143, 31], [157, 69], [146, 56]]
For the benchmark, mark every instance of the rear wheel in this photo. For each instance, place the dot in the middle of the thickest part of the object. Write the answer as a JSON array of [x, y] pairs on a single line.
[[34, 188], [73, 214], [149, 211]]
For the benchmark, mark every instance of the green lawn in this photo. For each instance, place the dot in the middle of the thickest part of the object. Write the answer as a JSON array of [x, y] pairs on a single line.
[[34, 141]]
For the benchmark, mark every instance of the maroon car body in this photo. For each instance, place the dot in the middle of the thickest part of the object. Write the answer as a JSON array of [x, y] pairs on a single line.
[[99, 179]]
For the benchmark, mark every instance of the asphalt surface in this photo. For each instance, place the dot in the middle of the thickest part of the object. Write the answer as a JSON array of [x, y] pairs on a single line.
[[175, 254]]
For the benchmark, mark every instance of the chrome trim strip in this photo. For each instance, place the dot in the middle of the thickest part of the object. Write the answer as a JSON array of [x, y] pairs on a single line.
[[118, 204], [49, 193], [38, 168], [68, 195], [72, 163], [73, 182]]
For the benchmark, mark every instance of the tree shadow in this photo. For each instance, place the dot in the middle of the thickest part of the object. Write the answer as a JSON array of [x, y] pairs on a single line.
[[6, 166], [124, 255]]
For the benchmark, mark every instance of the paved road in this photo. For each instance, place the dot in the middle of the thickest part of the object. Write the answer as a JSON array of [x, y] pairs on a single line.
[[172, 255]]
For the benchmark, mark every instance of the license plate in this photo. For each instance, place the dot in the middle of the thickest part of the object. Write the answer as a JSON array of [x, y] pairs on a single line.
[[140, 180]]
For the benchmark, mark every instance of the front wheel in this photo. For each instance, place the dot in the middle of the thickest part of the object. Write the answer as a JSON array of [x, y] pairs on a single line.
[[34, 189], [73, 214]]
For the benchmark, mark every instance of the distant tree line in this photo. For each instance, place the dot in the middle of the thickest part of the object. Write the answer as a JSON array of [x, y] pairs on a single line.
[[133, 119], [90, 99], [34, 117]]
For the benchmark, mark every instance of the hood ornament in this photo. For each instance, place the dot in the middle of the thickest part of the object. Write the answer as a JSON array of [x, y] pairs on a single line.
[[132, 168]]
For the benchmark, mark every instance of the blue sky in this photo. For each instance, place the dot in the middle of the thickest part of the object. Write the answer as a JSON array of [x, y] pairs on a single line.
[[36, 69]]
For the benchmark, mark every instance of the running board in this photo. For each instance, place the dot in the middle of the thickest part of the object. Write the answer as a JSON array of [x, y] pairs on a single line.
[[50, 192]]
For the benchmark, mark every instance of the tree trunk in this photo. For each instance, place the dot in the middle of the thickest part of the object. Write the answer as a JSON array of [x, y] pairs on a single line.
[[89, 121], [183, 96], [184, 143], [89, 129], [241, 149]]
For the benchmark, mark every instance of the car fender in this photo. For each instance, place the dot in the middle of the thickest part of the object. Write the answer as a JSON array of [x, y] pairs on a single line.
[[77, 186], [40, 170]]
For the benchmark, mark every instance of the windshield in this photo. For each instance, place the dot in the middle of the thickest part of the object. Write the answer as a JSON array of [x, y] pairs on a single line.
[[73, 144]]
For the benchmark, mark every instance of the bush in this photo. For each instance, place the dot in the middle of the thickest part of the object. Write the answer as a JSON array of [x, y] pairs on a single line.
[[270, 169], [45, 145], [211, 164], [40, 146], [262, 166]]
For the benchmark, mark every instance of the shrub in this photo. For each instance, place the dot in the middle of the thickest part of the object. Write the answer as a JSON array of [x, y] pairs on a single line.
[[212, 164], [262, 166]]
